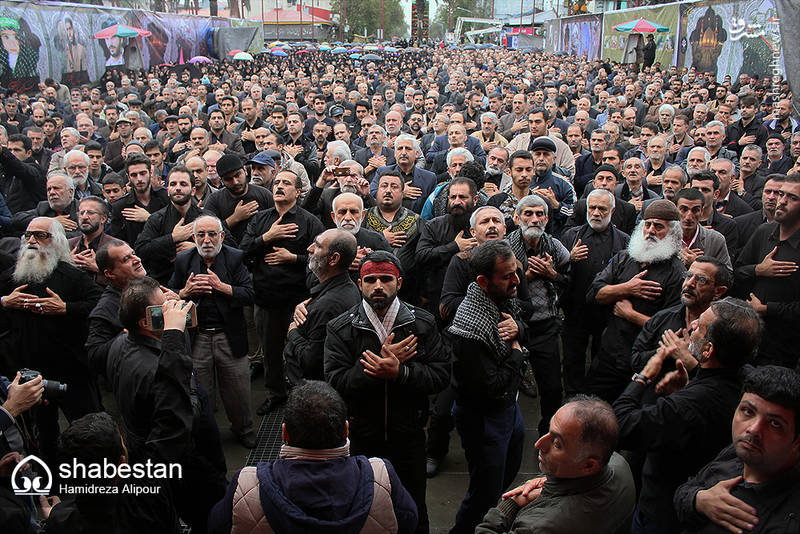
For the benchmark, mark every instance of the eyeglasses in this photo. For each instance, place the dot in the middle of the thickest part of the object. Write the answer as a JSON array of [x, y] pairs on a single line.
[[699, 278], [202, 235], [38, 235]]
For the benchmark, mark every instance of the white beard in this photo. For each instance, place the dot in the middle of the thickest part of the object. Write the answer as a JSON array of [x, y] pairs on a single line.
[[598, 226], [353, 227], [645, 250], [207, 254], [531, 231], [34, 266]]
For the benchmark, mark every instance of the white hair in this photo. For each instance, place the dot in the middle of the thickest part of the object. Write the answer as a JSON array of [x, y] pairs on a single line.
[[651, 250], [460, 151], [74, 152], [203, 217], [473, 219], [703, 150], [601, 193], [35, 263], [406, 137], [339, 149], [667, 107]]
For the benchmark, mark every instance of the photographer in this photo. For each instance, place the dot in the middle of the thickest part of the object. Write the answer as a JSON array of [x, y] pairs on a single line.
[[15, 399], [165, 418]]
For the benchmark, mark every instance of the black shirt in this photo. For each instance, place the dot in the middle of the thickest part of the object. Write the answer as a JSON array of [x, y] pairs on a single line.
[[780, 342], [222, 204], [129, 231], [283, 285]]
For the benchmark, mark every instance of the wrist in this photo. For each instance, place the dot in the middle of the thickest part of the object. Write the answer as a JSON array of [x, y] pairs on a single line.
[[11, 407]]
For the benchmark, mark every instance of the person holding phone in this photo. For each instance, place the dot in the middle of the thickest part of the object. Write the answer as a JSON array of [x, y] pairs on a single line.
[[150, 371]]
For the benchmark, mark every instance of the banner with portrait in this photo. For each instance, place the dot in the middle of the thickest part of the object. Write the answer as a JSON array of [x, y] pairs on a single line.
[[581, 35], [615, 42], [552, 35], [55, 41], [726, 37]]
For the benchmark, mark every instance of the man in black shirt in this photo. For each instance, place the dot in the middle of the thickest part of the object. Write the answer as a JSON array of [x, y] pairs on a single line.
[[691, 415], [277, 242], [754, 484], [591, 246], [129, 213], [636, 283], [767, 271], [239, 200], [330, 257]]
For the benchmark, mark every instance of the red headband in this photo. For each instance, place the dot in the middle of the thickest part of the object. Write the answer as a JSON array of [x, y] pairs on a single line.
[[379, 267]]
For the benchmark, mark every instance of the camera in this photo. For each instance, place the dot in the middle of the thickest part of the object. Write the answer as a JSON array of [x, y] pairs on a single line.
[[52, 389]]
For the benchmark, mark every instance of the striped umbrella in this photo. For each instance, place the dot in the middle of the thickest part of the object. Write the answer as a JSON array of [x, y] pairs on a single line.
[[641, 26]]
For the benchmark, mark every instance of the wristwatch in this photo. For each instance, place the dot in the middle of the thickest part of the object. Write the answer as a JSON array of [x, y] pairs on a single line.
[[640, 376]]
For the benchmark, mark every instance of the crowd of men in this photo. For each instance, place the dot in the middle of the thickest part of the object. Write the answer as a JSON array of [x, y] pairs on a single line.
[[403, 247]]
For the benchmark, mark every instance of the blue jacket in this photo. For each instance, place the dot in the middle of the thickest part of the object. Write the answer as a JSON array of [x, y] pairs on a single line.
[[441, 145], [332, 496]]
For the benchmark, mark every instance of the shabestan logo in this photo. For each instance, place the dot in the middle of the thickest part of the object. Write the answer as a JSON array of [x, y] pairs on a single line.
[[28, 482]]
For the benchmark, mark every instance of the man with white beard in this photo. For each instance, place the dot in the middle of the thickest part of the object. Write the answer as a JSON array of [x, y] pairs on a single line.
[[637, 282], [45, 310], [77, 166], [213, 275], [347, 212], [591, 246], [60, 205]]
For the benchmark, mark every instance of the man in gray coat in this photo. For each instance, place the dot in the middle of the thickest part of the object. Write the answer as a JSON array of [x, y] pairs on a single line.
[[586, 487], [697, 239]]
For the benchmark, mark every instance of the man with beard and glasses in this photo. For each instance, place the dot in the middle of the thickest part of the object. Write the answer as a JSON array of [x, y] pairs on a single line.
[[545, 263], [385, 357], [329, 185], [444, 237], [691, 415], [376, 154], [92, 217], [347, 212], [706, 281], [60, 205], [129, 213], [591, 246], [77, 167], [767, 272], [487, 336], [330, 257], [623, 215], [399, 225], [752, 485], [237, 202], [276, 242], [636, 283], [44, 311], [168, 232], [213, 276]]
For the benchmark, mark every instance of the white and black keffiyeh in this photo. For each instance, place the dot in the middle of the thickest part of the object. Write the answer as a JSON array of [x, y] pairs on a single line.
[[477, 318]]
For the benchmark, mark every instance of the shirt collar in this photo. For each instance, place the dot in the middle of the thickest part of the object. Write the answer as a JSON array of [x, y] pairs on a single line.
[[382, 327]]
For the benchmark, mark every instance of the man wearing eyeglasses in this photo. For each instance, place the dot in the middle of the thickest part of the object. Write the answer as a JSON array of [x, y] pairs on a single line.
[[45, 309], [213, 275], [92, 217], [77, 166]]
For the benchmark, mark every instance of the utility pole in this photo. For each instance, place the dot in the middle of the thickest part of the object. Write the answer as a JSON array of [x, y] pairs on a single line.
[[382, 28], [301, 20], [277, 30]]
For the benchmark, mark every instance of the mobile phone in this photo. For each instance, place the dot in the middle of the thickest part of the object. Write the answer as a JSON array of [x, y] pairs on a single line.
[[84, 133], [154, 317], [341, 171]]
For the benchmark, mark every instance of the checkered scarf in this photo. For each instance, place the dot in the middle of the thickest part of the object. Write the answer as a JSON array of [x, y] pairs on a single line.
[[477, 318]]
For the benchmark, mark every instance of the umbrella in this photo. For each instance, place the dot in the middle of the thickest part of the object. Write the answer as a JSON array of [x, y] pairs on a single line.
[[371, 57], [372, 47], [355, 56], [339, 50], [120, 30], [279, 44], [390, 49], [324, 48], [243, 56], [353, 50], [301, 52], [413, 49], [278, 52], [469, 47], [201, 59], [640, 26], [234, 52]]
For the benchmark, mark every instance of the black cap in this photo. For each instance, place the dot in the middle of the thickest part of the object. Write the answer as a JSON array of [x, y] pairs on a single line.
[[336, 111], [171, 118], [605, 167], [227, 164], [543, 143]]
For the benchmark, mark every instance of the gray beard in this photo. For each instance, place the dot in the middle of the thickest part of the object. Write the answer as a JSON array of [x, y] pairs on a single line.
[[531, 231], [34, 266], [80, 181], [209, 255], [348, 188], [644, 250]]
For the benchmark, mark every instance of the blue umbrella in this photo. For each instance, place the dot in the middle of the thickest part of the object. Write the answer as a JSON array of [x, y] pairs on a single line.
[[278, 52], [372, 57], [339, 50], [355, 56]]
